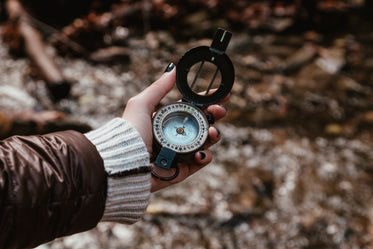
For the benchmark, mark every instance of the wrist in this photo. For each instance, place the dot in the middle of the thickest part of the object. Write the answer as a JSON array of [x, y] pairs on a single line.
[[127, 164]]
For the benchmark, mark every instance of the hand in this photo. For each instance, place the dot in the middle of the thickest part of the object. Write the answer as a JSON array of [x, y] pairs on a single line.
[[139, 111]]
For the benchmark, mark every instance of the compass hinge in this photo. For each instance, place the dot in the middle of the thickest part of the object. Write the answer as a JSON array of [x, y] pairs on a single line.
[[165, 158]]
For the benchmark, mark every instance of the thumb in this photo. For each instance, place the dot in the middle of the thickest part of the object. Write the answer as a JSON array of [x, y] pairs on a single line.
[[153, 94]]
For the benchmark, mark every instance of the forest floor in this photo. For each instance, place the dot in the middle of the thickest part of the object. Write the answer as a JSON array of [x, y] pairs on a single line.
[[294, 168]]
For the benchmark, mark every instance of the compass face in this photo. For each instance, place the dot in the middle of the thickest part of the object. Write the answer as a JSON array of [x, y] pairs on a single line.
[[181, 127]]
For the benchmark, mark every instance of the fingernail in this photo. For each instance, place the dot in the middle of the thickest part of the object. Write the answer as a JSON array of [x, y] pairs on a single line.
[[169, 67], [218, 135], [210, 118], [203, 155]]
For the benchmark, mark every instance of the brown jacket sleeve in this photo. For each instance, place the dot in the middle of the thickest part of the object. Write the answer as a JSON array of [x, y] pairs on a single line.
[[50, 186]]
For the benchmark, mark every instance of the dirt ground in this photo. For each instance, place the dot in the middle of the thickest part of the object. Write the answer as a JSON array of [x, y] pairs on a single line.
[[294, 166]]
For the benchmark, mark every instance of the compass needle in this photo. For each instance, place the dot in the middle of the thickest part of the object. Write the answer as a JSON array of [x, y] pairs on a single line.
[[185, 120]]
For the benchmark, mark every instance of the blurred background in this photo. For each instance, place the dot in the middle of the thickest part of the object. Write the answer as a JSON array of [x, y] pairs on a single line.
[[294, 168]]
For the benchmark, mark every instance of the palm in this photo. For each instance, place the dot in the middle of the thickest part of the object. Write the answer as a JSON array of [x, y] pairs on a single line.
[[139, 111]]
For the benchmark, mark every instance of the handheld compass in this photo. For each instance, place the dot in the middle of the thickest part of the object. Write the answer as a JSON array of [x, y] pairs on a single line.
[[181, 129]]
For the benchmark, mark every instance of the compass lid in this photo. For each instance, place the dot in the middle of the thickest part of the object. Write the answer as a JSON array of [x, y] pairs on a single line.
[[214, 54]]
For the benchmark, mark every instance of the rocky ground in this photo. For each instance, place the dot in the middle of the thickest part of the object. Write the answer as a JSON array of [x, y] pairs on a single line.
[[294, 166]]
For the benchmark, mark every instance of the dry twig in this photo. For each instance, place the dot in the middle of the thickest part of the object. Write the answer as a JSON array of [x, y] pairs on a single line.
[[34, 46]]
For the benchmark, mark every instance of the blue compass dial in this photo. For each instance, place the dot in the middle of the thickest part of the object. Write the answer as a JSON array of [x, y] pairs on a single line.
[[180, 128]]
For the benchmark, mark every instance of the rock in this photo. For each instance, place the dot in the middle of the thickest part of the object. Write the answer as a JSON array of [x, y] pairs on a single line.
[[331, 60], [333, 129]]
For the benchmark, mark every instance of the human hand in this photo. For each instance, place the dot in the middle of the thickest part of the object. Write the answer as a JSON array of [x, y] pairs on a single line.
[[139, 111]]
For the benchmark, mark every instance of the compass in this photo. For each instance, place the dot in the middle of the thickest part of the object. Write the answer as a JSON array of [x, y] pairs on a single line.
[[180, 129]]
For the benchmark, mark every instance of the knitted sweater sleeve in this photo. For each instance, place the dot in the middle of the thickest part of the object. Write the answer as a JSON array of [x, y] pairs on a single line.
[[127, 164]]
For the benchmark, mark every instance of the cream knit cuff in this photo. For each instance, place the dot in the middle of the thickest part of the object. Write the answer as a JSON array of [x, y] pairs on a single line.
[[126, 161]]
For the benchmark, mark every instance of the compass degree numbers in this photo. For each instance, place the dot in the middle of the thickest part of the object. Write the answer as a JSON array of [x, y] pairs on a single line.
[[180, 127]]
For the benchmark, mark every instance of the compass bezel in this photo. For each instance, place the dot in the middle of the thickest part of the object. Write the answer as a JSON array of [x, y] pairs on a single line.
[[197, 55], [176, 108]]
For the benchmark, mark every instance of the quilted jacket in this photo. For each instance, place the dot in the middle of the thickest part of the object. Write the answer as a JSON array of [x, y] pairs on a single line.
[[50, 186]]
